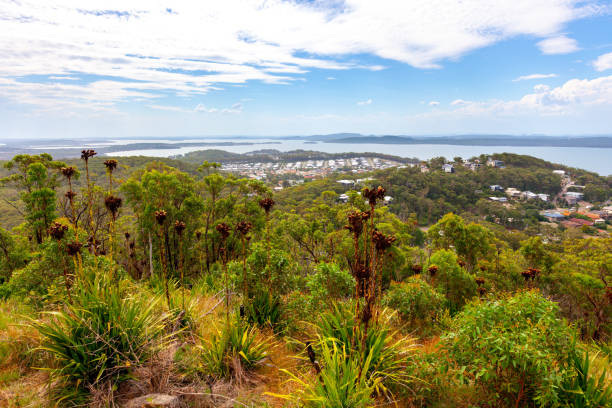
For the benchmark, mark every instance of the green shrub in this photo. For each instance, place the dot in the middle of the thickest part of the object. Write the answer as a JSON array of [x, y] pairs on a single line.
[[514, 347], [265, 310], [584, 389], [329, 283], [232, 351], [342, 382], [99, 337], [452, 280], [415, 301], [385, 355]]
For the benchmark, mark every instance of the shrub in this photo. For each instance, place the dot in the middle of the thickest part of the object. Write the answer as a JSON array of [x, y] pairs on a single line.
[[342, 382], [385, 355], [514, 347], [232, 351], [265, 310], [99, 337], [329, 283], [584, 388], [415, 301], [453, 281]]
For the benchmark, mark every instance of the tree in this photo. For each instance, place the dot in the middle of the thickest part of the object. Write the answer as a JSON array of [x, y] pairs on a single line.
[[31, 174], [471, 242]]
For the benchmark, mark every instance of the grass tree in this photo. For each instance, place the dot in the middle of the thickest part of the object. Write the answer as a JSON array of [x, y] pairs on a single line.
[[85, 156]]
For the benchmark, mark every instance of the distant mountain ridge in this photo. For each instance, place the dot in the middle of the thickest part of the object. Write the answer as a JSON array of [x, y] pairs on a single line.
[[471, 140]]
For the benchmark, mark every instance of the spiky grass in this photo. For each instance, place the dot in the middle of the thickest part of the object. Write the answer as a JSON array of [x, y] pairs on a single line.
[[97, 339]]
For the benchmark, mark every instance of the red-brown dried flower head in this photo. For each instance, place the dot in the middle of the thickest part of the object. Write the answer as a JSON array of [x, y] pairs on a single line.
[[113, 204], [224, 230], [483, 268], [127, 235], [461, 262], [68, 172], [198, 235], [57, 230], [382, 241], [70, 195], [416, 268], [482, 290], [111, 164], [480, 281], [432, 269], [87, 153], [160, 216], [355, 224], [530, 273], [243, 227], [73, 248], [179, 227], [374, 195], [267, 204]]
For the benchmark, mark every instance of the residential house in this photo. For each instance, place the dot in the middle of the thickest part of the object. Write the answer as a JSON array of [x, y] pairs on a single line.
[[543, 197], [572, 197], [513, 192], [528, 195], [553, 216], [496, 187], [448, 168], [495, 163]]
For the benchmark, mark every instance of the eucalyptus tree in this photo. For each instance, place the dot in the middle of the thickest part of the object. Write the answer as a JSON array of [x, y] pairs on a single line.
[[35, 176]]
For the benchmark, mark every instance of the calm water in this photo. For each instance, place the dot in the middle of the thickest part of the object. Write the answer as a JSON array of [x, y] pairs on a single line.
[[593, 159]]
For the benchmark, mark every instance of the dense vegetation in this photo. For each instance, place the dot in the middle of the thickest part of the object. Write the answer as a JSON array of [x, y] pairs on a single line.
[[117, 281]]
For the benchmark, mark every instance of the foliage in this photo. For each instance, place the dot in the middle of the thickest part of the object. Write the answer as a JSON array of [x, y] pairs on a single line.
[[471, 242], [452, 280], [99, 337], [415, 301], [385, 356], [233, 350], [585, 389], [329, 283], [342, 382], [515, 347], [265, 309]]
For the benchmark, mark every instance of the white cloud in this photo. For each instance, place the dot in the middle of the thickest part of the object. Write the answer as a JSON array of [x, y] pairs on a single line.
[[573, 96], [541, 88], [534, 76], [141, 50], [330, 78], [235, 108], [603, 62], [558, 45], [434, 103], [366, 102]]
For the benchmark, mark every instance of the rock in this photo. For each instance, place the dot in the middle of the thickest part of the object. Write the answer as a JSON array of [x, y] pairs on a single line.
[[154, 401]]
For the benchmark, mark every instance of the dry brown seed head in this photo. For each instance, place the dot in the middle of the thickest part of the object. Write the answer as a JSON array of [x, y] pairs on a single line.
[[113, 203], [73, 248], [160, 216], [68, 172], [87, 153], [57, 230], [224, 230], [179, 227], [267, 204], [111, 164]]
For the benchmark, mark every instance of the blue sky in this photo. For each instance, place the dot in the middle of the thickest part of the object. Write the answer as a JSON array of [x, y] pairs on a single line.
[[235, 67]]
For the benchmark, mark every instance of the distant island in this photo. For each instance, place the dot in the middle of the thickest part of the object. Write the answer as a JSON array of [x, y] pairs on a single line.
[[474, 140]]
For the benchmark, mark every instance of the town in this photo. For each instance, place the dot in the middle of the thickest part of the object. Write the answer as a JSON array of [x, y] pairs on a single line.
[[308, 169]]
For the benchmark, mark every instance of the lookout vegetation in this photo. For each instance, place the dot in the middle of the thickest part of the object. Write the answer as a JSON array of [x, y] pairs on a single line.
[[124, 282]]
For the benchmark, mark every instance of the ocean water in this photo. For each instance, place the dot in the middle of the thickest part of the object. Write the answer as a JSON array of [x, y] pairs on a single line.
[[592, 159]]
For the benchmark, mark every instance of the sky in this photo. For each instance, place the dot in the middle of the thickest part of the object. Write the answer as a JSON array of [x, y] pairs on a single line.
[[73, 68]]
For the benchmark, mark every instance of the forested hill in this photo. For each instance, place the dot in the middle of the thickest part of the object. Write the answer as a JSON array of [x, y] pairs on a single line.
[[134, 282], [434, 193]]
